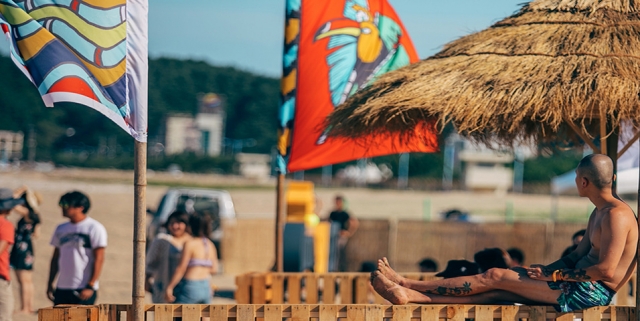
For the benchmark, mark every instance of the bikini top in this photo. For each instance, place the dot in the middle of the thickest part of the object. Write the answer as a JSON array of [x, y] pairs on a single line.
[[206, 262]]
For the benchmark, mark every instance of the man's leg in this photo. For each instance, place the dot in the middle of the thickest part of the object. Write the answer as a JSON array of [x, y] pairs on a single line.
[[6, 300], [397, 294], [494, 279]]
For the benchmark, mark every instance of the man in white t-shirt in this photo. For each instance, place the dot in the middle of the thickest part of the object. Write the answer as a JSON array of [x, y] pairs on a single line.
[[79, 253]]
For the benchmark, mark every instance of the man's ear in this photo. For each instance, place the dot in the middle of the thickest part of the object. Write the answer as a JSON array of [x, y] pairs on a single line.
[[584, 181]]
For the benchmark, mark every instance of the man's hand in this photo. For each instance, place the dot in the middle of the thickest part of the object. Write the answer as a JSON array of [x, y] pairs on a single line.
[[539, 272], [85, 294], [50, 292]]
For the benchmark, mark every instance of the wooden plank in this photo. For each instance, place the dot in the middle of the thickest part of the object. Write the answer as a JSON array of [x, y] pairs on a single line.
[[373, 313], [328, 312], [455, 312], [356, 312], [277, 289], [218, 312], [272, 312], [484, 312], [401, 313], [509, 313], [48, 314], [162, 312], [78, 313], [329, 289], [430, 312], [243, 289], [361, 289], [311, 285], [538, 313], [191, 312], [259, 289], [294, 289], [592, 314], [94, 314], [632, 313], [300, 313], [245, 312], [567, 316], [346, 289]]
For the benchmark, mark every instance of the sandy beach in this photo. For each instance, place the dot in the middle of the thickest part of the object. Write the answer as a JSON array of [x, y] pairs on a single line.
[[111, 193]]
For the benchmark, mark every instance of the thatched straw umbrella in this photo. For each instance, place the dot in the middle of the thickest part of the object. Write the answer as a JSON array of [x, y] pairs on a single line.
[[553, 72], [557, 71]]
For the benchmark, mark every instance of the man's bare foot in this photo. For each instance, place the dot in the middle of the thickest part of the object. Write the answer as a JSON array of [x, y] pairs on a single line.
[[388, 272], [389, 290]]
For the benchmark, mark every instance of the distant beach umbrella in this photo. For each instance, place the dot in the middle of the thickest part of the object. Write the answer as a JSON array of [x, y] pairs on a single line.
[[557, 71]]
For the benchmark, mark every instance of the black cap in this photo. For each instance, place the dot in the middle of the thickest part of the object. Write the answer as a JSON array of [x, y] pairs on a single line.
[[459, 268]]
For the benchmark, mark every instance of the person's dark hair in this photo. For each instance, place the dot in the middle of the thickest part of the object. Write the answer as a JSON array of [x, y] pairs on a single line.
[[339, 198], [180, 216], [200, 225], [428, 264], [368, 266], [76, 199], [568, 250], [578, 233], [598, 169], [516, 254], [491, 258]]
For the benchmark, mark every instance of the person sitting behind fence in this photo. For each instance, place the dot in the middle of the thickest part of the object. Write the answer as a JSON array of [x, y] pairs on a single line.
[[517, 256], [427, 265], [492, 258], [456, 268]]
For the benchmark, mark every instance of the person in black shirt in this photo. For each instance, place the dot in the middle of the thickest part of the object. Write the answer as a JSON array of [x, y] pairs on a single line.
[[348, 226]]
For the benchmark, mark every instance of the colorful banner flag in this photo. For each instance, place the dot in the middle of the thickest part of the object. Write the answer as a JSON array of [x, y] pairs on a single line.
[[332, 49], [90, 52]]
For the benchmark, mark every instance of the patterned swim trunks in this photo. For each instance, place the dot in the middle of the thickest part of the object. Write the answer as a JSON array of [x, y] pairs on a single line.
[[581, 295]]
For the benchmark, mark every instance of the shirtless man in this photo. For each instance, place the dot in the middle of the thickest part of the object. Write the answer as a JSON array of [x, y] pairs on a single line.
[[603, 261]]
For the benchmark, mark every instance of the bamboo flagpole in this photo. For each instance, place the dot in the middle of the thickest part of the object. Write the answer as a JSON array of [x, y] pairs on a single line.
[[139, 229]]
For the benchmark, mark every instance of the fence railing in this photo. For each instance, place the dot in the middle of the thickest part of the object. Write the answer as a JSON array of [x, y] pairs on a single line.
[[310, 288], [332, 312]]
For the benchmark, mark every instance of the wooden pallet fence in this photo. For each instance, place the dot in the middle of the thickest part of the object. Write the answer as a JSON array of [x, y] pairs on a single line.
[[334, 312], [310, 288]]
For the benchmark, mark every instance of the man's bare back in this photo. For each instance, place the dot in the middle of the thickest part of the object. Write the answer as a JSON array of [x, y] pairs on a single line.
[[589, 276]]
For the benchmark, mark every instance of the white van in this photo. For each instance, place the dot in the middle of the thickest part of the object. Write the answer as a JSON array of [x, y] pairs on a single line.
[[216, 203]]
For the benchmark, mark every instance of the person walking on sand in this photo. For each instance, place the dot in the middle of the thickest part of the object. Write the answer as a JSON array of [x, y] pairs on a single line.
[[22, 253], [602, 263], [7, 202], [164, 255], [191, 282], [78, 256], [348, 226]]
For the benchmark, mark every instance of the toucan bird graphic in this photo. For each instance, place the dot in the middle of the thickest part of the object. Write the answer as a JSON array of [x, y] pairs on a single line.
[[362, 45]]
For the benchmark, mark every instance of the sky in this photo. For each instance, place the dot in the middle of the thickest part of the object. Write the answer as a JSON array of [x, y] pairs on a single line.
[[248, 34]]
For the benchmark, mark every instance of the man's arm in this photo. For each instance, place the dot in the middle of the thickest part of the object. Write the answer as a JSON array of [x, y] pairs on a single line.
[[98, 262], [53, 271]]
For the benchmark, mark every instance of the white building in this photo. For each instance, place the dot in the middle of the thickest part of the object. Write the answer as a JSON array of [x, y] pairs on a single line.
[[11, 144], [201, 134]]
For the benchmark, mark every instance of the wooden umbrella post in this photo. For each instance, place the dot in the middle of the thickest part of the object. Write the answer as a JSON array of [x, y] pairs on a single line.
[[280, 221], [139, 229]]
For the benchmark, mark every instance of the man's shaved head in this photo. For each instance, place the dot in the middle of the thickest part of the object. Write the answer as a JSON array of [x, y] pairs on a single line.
[[598, 169]]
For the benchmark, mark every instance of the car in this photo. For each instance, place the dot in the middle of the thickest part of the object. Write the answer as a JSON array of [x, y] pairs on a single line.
[[216, 203]]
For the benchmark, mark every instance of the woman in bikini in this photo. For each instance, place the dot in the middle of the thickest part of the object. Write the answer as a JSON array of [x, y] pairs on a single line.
[[191, 282]]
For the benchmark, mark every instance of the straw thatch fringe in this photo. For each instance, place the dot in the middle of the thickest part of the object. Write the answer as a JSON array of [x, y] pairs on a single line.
[[555, 61]]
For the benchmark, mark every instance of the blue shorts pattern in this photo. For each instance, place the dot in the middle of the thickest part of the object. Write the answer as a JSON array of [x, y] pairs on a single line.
[[581, 295], [193, 292]]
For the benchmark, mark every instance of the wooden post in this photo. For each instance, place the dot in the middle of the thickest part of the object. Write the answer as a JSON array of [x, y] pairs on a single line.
[[139, 229], [280, 221]]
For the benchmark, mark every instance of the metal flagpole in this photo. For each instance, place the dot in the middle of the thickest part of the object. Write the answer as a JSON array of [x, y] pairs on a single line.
[[139, 229]]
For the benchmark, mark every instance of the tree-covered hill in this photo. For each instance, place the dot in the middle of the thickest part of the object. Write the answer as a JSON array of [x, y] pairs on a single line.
[[174, 86]]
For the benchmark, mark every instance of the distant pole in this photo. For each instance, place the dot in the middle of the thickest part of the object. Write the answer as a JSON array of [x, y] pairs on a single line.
[[31, 145], [449, 159], [327, 174], [403, 171], [139, 228], [518, 173], [280, 221]]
